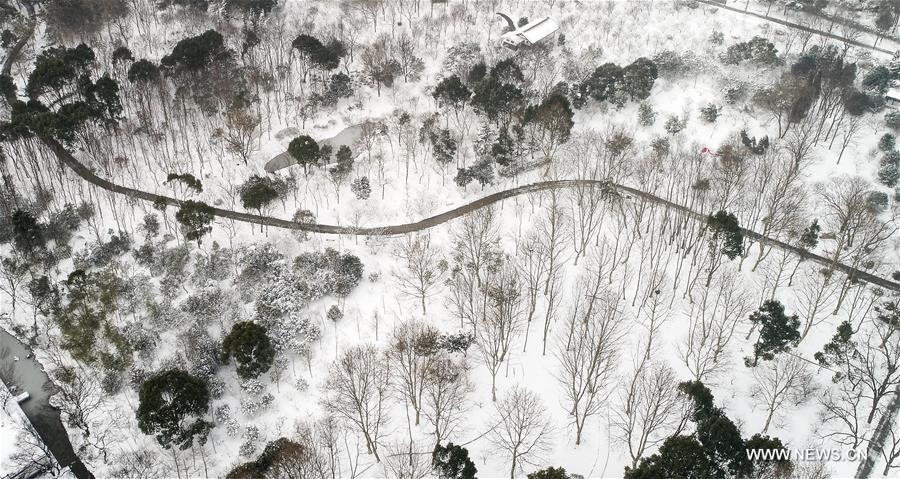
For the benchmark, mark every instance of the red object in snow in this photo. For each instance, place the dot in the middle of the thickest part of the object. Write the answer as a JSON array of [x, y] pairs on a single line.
[[707, 150]]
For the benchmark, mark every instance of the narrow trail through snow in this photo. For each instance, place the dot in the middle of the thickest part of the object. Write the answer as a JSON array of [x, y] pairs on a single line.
[[400, 229]]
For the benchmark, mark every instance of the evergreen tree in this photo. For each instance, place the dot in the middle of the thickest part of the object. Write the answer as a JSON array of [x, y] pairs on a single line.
[[605, 81], [196, 218], [638, 78], [28, 236], [718, 435], [679, 457], [251, 348], [549, 473], [187, 179], [503, 151], [143, 71], [727, 233], [197, 53], [887, 142], [839, 350], [171, 407], [889, 169], [258, 192], [451, 92], [763, 466], [778, 332], [304, 150], [452, 462], [810, 236]]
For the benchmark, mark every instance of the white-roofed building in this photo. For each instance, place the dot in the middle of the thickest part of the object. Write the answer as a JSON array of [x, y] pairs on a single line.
[[892, 97], [530, 33]]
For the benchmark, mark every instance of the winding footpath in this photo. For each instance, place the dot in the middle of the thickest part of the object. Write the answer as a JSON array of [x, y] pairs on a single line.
[[405, 228], [88, 175], [628, 193]]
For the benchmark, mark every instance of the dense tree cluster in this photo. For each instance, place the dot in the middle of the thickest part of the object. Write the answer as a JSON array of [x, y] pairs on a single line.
[[611, 83]]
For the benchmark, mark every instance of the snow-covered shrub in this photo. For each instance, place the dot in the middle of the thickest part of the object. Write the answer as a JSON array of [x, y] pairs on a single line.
[[201, 352], [250, 406], [101, 254], [163, 315], [256, 261], [646, 115], [175, 361], [222, 413], [216, 266], [170, 261], [137, 376], [892, 120], [675, 124], [458, 342], [305, 217], [709, 113], [670, 63], [717, 38], [887, 142], [756, 50], [232, 427], [111, 383], [889, 169], [251, 438], [252, 387], [208, 304], [140, 339], [301, 384], [329, 272], [361, 188]]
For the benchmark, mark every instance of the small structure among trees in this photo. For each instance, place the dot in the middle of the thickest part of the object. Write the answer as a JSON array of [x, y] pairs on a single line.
[[529, 34]]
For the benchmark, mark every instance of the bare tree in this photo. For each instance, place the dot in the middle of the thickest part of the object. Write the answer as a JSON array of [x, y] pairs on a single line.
[[357, 390], [878, 364], [842, 406], [502, 320], [532, 269], [713, 317], [476, 254], [786, 380], [553, 230], [475, 245], [890, 450], [240, 132], [402, 462], [446, 389], [523, 430], [650, 409], [588, 358], [816, 294], [413, 349], [422, 267]]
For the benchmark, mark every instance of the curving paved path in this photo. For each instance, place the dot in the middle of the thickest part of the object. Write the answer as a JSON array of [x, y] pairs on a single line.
[[84, 172], [88, 175]]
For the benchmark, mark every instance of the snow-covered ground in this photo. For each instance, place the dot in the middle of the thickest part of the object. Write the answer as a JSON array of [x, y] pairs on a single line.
[[407, 187]]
